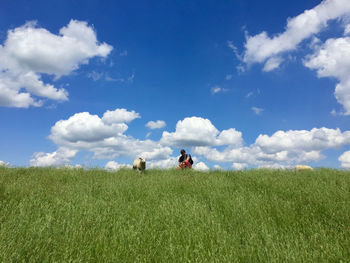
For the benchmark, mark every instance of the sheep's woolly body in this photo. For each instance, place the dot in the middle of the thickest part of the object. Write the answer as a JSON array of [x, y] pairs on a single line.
[[300, 167], [139, 164]]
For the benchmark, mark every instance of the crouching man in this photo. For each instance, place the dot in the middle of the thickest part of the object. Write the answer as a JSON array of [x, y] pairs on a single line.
[[185, 160]]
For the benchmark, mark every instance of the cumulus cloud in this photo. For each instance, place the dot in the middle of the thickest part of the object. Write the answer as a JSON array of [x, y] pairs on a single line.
[[264, 49], [168, 163], [84, 127], [119, 116], [30, 51], [281, 148], [315, 139], [157, 154], [114, 166], [155, 124], [106, 139], [201, 167], [196, 131], [104, 136], [58, 158], [344, 159], [332, 59]]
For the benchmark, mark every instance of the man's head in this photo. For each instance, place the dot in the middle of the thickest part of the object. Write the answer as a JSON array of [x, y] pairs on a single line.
[[183, 152]]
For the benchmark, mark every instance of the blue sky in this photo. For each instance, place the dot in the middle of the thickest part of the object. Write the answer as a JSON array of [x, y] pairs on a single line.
[[238, 84]]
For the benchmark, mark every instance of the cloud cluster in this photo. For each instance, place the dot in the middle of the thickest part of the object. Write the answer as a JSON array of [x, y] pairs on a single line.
[[331, 59], [102, 136], [269, 50], [105, 137], [30, 51], [281, 149]]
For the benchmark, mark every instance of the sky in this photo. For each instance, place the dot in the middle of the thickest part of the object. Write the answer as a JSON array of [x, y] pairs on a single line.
[[238, 84]]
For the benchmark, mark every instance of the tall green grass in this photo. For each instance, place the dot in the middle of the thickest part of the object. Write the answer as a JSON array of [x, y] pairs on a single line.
[[75, 215]]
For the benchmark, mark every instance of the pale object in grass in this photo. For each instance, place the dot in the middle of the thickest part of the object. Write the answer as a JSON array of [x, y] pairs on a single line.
[[139, 164], [301, 167]]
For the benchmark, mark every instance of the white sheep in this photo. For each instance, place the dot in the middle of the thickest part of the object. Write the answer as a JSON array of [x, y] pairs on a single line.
[[139, 164], [301, 167]]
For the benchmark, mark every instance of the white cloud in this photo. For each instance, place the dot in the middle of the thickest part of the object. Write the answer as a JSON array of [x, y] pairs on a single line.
[[155, 124], [58, 158], [249, 95], [315, 139], [240, 69], [109, 78], [119, 116], [347, 30], [130, 79], [193, 131], [123, 53], [106, 140], [230, 137], [272, 63], [228, 76], [217, 167], [157, 154], [77, 166], [275, 166], [196, 131], [261, 47], [333, 60], [282, 148], [2, 163], [30, 51], [239, 166], [105, 136], [344, 159], [334, 112], [85, 127], [127, 80], [217, 89], [114, 166], [95, 75], [257, 110], [168, 163], [201, 167]]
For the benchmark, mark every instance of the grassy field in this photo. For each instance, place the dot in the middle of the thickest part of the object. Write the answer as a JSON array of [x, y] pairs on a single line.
[[75, 215]]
